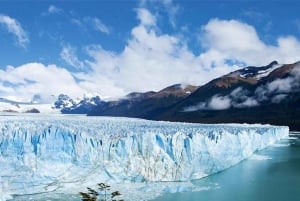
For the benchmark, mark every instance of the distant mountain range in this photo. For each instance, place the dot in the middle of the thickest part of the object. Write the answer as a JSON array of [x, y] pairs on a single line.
[[266, 94]]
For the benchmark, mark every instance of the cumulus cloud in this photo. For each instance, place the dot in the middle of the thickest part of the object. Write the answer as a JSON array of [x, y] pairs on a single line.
[[152, 60], [236, 40], [146, 17], [68, 54], [25, 82], [14, 27]]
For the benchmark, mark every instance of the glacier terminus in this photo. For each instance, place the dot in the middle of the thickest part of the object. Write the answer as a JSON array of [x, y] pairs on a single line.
[[65, 152]]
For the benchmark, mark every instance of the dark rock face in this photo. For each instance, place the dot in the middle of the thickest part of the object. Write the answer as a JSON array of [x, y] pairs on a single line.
[[144, 105]]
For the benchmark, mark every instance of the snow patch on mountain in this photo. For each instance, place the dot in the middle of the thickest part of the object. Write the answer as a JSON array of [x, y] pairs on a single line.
[[78, 106]]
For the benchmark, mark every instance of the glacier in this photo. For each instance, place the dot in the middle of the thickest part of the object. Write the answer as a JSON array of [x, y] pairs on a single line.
[[40, 153]]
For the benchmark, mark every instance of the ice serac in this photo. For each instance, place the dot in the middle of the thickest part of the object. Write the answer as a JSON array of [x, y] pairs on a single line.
[[39, 153]]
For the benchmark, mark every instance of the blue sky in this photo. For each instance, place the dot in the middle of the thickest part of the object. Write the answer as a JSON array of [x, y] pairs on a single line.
[[114, 47]]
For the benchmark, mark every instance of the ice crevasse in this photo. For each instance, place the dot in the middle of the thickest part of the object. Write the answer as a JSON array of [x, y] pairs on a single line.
[[40, 153]]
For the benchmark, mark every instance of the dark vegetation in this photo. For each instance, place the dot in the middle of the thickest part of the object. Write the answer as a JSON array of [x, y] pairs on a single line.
[[103, 193]]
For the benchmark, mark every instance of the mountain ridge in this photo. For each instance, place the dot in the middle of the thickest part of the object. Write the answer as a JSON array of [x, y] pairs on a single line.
[[266, 94], [272, 99]]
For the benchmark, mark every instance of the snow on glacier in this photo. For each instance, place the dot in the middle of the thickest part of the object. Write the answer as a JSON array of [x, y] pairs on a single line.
[[50, 153]]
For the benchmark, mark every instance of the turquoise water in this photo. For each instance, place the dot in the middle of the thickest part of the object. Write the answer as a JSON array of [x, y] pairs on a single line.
[[272, 174]]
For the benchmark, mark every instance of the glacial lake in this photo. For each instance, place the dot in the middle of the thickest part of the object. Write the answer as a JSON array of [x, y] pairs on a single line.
[[272, 174]]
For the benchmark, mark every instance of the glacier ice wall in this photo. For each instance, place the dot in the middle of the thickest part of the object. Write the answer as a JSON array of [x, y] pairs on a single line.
[[40, 153]]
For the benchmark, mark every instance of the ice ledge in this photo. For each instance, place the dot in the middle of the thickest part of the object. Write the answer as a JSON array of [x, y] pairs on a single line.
[[39, 154]]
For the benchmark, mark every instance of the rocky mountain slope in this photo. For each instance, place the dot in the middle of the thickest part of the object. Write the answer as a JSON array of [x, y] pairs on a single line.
[[145, 105], [268, 94]]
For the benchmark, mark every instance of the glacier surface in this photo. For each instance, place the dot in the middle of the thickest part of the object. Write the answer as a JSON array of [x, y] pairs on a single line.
[[60, 153]]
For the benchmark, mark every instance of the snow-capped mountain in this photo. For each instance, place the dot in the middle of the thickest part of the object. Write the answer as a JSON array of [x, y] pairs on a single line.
[[256, 72], [79, 106], [64, 101]]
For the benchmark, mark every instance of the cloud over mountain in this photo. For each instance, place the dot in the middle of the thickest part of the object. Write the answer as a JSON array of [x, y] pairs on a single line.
[[25, 82]]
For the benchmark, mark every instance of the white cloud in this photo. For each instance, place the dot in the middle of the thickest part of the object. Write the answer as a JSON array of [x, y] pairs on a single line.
[[54, 10], [152, 60], [199, 106], [172, 10], [231, 35], [278, 98], [14, 27], [249, 102], [219, 103], [68, 54], [216, 102], [145, 17], [280, 85], [166, 6], [24, 82], [100, 26], [93, 22], [240, 41]]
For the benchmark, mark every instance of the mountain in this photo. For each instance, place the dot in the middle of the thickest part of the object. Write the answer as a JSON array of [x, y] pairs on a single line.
[[267, 94], [68, 106], [144, 105]]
